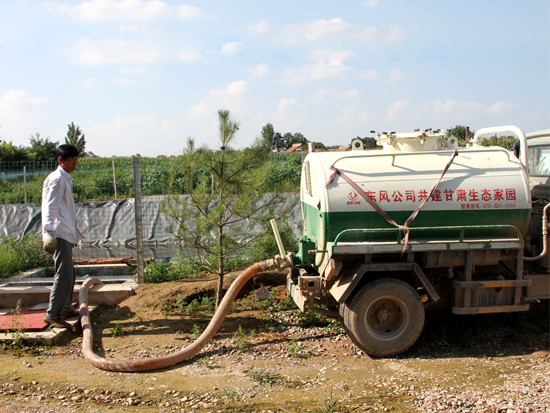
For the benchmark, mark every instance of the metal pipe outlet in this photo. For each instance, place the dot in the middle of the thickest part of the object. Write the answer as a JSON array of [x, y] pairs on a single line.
[[174, 358], [544, 236]]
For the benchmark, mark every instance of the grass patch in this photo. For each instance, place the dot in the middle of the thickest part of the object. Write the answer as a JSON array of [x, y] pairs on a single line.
[[241, 339], [264, 377], [198, 305], [22, 255], [117, 331]]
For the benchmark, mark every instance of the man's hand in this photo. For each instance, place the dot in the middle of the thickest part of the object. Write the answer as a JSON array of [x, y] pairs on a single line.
[[50, 243]]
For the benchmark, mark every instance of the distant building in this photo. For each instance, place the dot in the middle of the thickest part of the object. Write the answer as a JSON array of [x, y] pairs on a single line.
[[340, 149], [296, 148]]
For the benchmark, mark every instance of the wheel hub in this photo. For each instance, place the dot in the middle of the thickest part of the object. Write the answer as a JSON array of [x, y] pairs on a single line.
[[383, 314]]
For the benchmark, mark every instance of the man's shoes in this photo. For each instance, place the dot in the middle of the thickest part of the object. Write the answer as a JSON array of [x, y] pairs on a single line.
[[57, 322], [69, 314]]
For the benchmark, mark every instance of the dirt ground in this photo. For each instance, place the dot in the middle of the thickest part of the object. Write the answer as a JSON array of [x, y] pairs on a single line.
[[269, 357]]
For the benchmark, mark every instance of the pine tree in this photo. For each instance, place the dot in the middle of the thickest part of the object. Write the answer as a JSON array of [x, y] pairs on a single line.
[[76, 138], [226, 209]]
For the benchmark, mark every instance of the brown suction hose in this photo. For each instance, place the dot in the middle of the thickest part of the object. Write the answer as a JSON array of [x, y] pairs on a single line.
[[174, 358]]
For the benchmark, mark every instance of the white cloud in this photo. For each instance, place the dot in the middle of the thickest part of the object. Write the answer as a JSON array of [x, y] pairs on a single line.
[[109, 51], [287, 116], [397, 109], [453, 108], [349, 94], [395, 34], [91, 82], [17, 105], [326, 64], [436, 114], [228, 49], [125, 135], [348, 115], [370, 74], [189, 56], [500, 108], [370, 117], [133, 27], [17, 111], [259, 70], [134, 70], [371, 3], [188, 12], [335, 28], [234, 97], [112, 10], [323, 94], [396, 74], [258, 28], [124, 81], [232, 48]]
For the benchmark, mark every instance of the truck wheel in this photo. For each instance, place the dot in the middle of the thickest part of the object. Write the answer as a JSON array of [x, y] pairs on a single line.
[[384, 318]]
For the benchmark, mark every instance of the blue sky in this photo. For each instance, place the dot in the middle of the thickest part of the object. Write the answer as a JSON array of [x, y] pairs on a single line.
[[140, 76]]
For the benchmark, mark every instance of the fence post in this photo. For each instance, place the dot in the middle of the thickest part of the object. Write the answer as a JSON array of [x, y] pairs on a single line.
[[114, 178], [25, 182], [139, 219]]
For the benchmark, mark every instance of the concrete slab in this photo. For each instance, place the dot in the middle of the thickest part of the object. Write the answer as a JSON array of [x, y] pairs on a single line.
[[109, 294], [50, 336]]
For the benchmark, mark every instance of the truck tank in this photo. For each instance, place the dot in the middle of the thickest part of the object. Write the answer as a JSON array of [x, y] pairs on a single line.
[[485, 187]]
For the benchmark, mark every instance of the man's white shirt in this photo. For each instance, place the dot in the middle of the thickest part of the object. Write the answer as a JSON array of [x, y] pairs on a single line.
[[58, 210]]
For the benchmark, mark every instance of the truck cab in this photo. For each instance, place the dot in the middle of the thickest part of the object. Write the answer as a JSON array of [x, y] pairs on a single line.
[[538, 162]]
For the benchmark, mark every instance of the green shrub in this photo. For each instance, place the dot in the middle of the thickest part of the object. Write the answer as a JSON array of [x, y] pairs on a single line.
[[205, 304], [158, 271], [266, 247], [8, 262], [23, 255]]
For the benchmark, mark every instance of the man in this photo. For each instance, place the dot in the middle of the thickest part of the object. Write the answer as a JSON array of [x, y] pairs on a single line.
[[59, 233]]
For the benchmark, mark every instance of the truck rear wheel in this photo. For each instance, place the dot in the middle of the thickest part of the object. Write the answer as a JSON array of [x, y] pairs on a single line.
[[384, 318]]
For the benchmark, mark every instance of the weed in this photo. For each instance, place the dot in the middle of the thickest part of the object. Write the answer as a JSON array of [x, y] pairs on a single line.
[[294, 347], [328, 405], [165, 309], [264, 377], [285, 304], [241, 339], [195, 332], [250, 303], [230, 394], [17, 345], [146, 302], [205, 304], [118, 330], [313, 319], [333, 327], [204, 361]]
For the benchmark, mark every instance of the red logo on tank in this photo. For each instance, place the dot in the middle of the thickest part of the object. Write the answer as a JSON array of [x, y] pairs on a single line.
[[353, 195], [353, 198]]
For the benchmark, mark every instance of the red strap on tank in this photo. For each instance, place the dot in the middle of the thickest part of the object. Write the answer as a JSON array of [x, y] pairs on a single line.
[[376, 207]]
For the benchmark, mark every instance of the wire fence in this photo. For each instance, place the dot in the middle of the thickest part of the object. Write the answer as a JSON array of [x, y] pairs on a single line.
[[119, 202]]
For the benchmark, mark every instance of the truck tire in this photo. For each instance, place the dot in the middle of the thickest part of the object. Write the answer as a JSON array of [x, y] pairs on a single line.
[[384, 318]]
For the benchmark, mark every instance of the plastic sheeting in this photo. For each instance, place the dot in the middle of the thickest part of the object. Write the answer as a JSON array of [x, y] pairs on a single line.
[[111, 225]]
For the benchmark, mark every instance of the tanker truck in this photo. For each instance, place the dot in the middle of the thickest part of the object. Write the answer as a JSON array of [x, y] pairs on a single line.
[[421, 223]]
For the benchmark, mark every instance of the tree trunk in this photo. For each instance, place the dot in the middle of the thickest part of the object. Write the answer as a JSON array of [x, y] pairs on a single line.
[[219, 293]]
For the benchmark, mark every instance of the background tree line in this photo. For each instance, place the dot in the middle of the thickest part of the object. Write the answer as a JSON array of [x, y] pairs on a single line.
[[41, 149]]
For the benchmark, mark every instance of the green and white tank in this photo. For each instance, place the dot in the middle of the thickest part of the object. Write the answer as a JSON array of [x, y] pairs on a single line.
[[483, 186]]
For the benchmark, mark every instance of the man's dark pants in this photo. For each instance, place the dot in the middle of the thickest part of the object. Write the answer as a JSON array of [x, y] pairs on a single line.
[[61, 296]]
